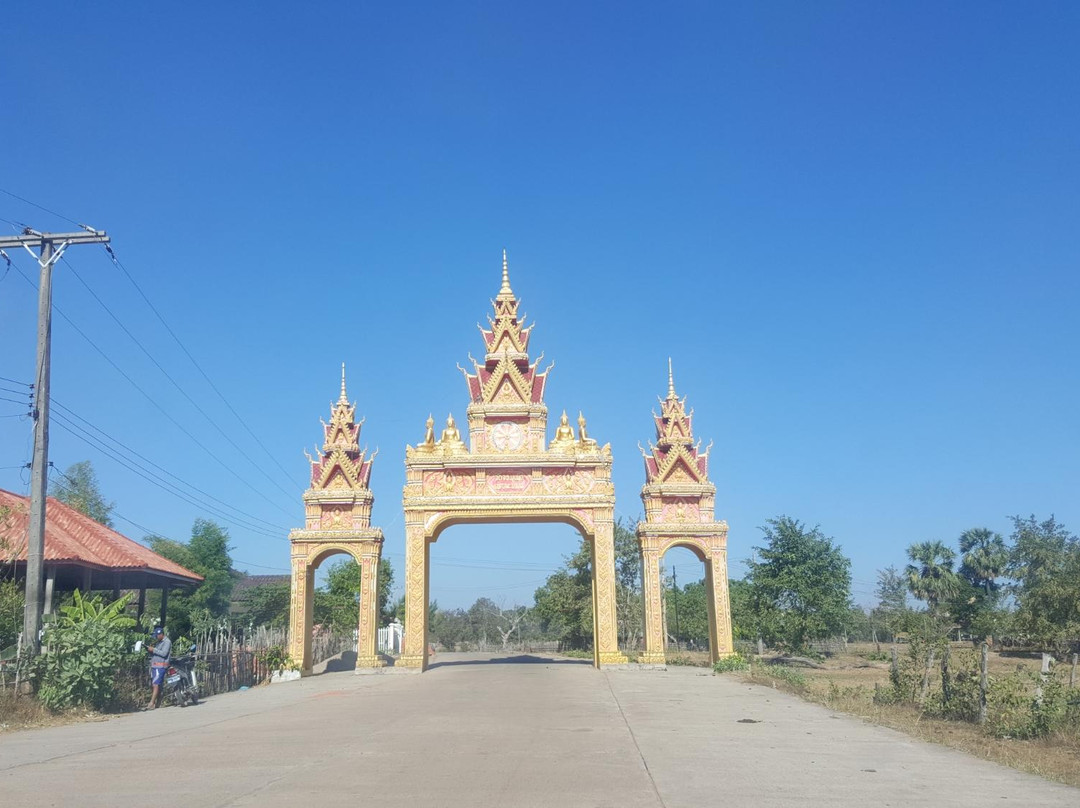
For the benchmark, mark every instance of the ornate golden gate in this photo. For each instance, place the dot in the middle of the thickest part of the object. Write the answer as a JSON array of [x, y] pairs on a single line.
[[337, 519], [506, 473], [679, 502]]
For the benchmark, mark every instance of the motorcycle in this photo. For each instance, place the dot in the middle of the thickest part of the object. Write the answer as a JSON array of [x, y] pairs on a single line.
[[181, 686]]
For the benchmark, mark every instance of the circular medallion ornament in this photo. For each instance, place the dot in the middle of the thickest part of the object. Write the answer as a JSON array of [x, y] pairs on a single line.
[[507, 436]]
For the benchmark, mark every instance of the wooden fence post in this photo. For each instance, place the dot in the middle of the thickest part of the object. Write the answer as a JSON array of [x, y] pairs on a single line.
[[926, 677], [945, 686], [1072, 673], [983, 680]]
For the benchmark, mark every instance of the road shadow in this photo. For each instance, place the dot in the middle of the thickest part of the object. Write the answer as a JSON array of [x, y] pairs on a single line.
[[518, 659], [345, 662]]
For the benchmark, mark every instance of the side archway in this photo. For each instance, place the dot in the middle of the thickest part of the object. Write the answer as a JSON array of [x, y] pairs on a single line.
[[337, 519], [679, 512]]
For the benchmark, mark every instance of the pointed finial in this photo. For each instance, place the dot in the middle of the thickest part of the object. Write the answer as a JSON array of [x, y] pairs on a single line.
[[505, 289], [344, 397], [670, 380]]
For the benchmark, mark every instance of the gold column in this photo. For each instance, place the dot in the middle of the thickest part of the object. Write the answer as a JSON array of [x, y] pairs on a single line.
[[716, 574], [414, 654], [654, 617], [366, 645], [298, 639], [606, 633]]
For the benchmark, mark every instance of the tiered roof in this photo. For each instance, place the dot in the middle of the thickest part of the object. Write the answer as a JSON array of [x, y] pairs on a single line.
[[341, 463], [675, 457], [506, 376]]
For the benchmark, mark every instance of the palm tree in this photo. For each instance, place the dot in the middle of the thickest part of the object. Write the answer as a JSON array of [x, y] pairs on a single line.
[[983, 558], [930, 576]]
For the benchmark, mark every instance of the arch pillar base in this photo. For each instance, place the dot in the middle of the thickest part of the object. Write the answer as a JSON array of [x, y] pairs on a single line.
[[649, 658], [370, 662], [606, 658]]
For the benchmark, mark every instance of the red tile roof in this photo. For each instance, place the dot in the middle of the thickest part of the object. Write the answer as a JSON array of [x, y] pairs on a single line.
[[72, 538]]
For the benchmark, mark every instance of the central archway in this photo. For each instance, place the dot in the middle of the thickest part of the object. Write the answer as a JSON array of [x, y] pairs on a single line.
[[508, 473]]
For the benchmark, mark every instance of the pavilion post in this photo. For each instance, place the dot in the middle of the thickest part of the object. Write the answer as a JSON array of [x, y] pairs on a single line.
[[164, 603], [142, 601], [50, 585]]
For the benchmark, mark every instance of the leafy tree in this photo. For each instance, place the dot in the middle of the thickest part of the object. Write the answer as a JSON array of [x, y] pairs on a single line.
[[630, 611], [891, 611], [11, 592], [800, 589], [338, 604], [982, 563], [564, 602], [265, 605], [11, 612], [449, 627], [930, 575], [207, 553], [743, 620], [693, 606], [78, 488], [1045, 563]]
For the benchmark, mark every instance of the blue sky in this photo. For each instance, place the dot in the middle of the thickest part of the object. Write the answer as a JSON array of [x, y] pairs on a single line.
[[851, 226]]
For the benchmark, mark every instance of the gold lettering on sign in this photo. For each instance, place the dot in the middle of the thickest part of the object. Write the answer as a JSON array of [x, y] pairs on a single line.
[[508, 483]]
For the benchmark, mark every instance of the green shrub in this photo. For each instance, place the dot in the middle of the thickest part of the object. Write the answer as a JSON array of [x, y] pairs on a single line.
[[876, 656], [1015, 710], [784, 674], [87, 643], [276, 658], [728, 664]]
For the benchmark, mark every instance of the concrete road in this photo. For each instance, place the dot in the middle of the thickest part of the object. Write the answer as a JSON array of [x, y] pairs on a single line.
[[484, 731]]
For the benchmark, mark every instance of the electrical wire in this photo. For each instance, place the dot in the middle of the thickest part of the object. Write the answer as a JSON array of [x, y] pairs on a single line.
[[153, 401], [156, 481], [119, 265], [175, 383], [15, 381], [39, 207], [72, 414]]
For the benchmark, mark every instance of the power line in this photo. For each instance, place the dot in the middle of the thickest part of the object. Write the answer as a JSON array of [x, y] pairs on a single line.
[[15, 381], [70, 413], [13, 400], [116, 261], [119, 265], [150, 532], [175, 383], [39, 207], [153, 401], [156, 481]]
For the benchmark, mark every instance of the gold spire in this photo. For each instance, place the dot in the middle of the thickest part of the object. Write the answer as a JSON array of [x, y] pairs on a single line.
[[505, 291], [344, 397], [670, 380]]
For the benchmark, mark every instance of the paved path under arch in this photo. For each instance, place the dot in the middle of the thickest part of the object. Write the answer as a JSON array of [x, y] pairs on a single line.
[[483, 731]]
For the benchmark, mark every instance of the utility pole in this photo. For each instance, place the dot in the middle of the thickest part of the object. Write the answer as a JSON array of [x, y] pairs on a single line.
[[51, 247]]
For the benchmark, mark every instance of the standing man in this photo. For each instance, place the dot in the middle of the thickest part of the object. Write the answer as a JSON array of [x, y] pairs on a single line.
[[160, 652]]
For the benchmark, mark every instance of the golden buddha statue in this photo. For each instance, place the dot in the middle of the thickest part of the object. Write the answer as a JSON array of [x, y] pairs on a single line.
[[564, 433], [583, 437], [451, 438]]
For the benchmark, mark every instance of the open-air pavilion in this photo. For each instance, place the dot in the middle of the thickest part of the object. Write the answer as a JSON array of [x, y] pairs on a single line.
[[85, 555]]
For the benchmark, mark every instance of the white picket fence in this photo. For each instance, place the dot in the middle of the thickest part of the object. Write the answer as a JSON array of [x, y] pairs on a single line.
[[390, 639]]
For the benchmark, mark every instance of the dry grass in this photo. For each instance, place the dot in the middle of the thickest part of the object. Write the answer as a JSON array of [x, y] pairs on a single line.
[[28, 713], [846, 684]]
